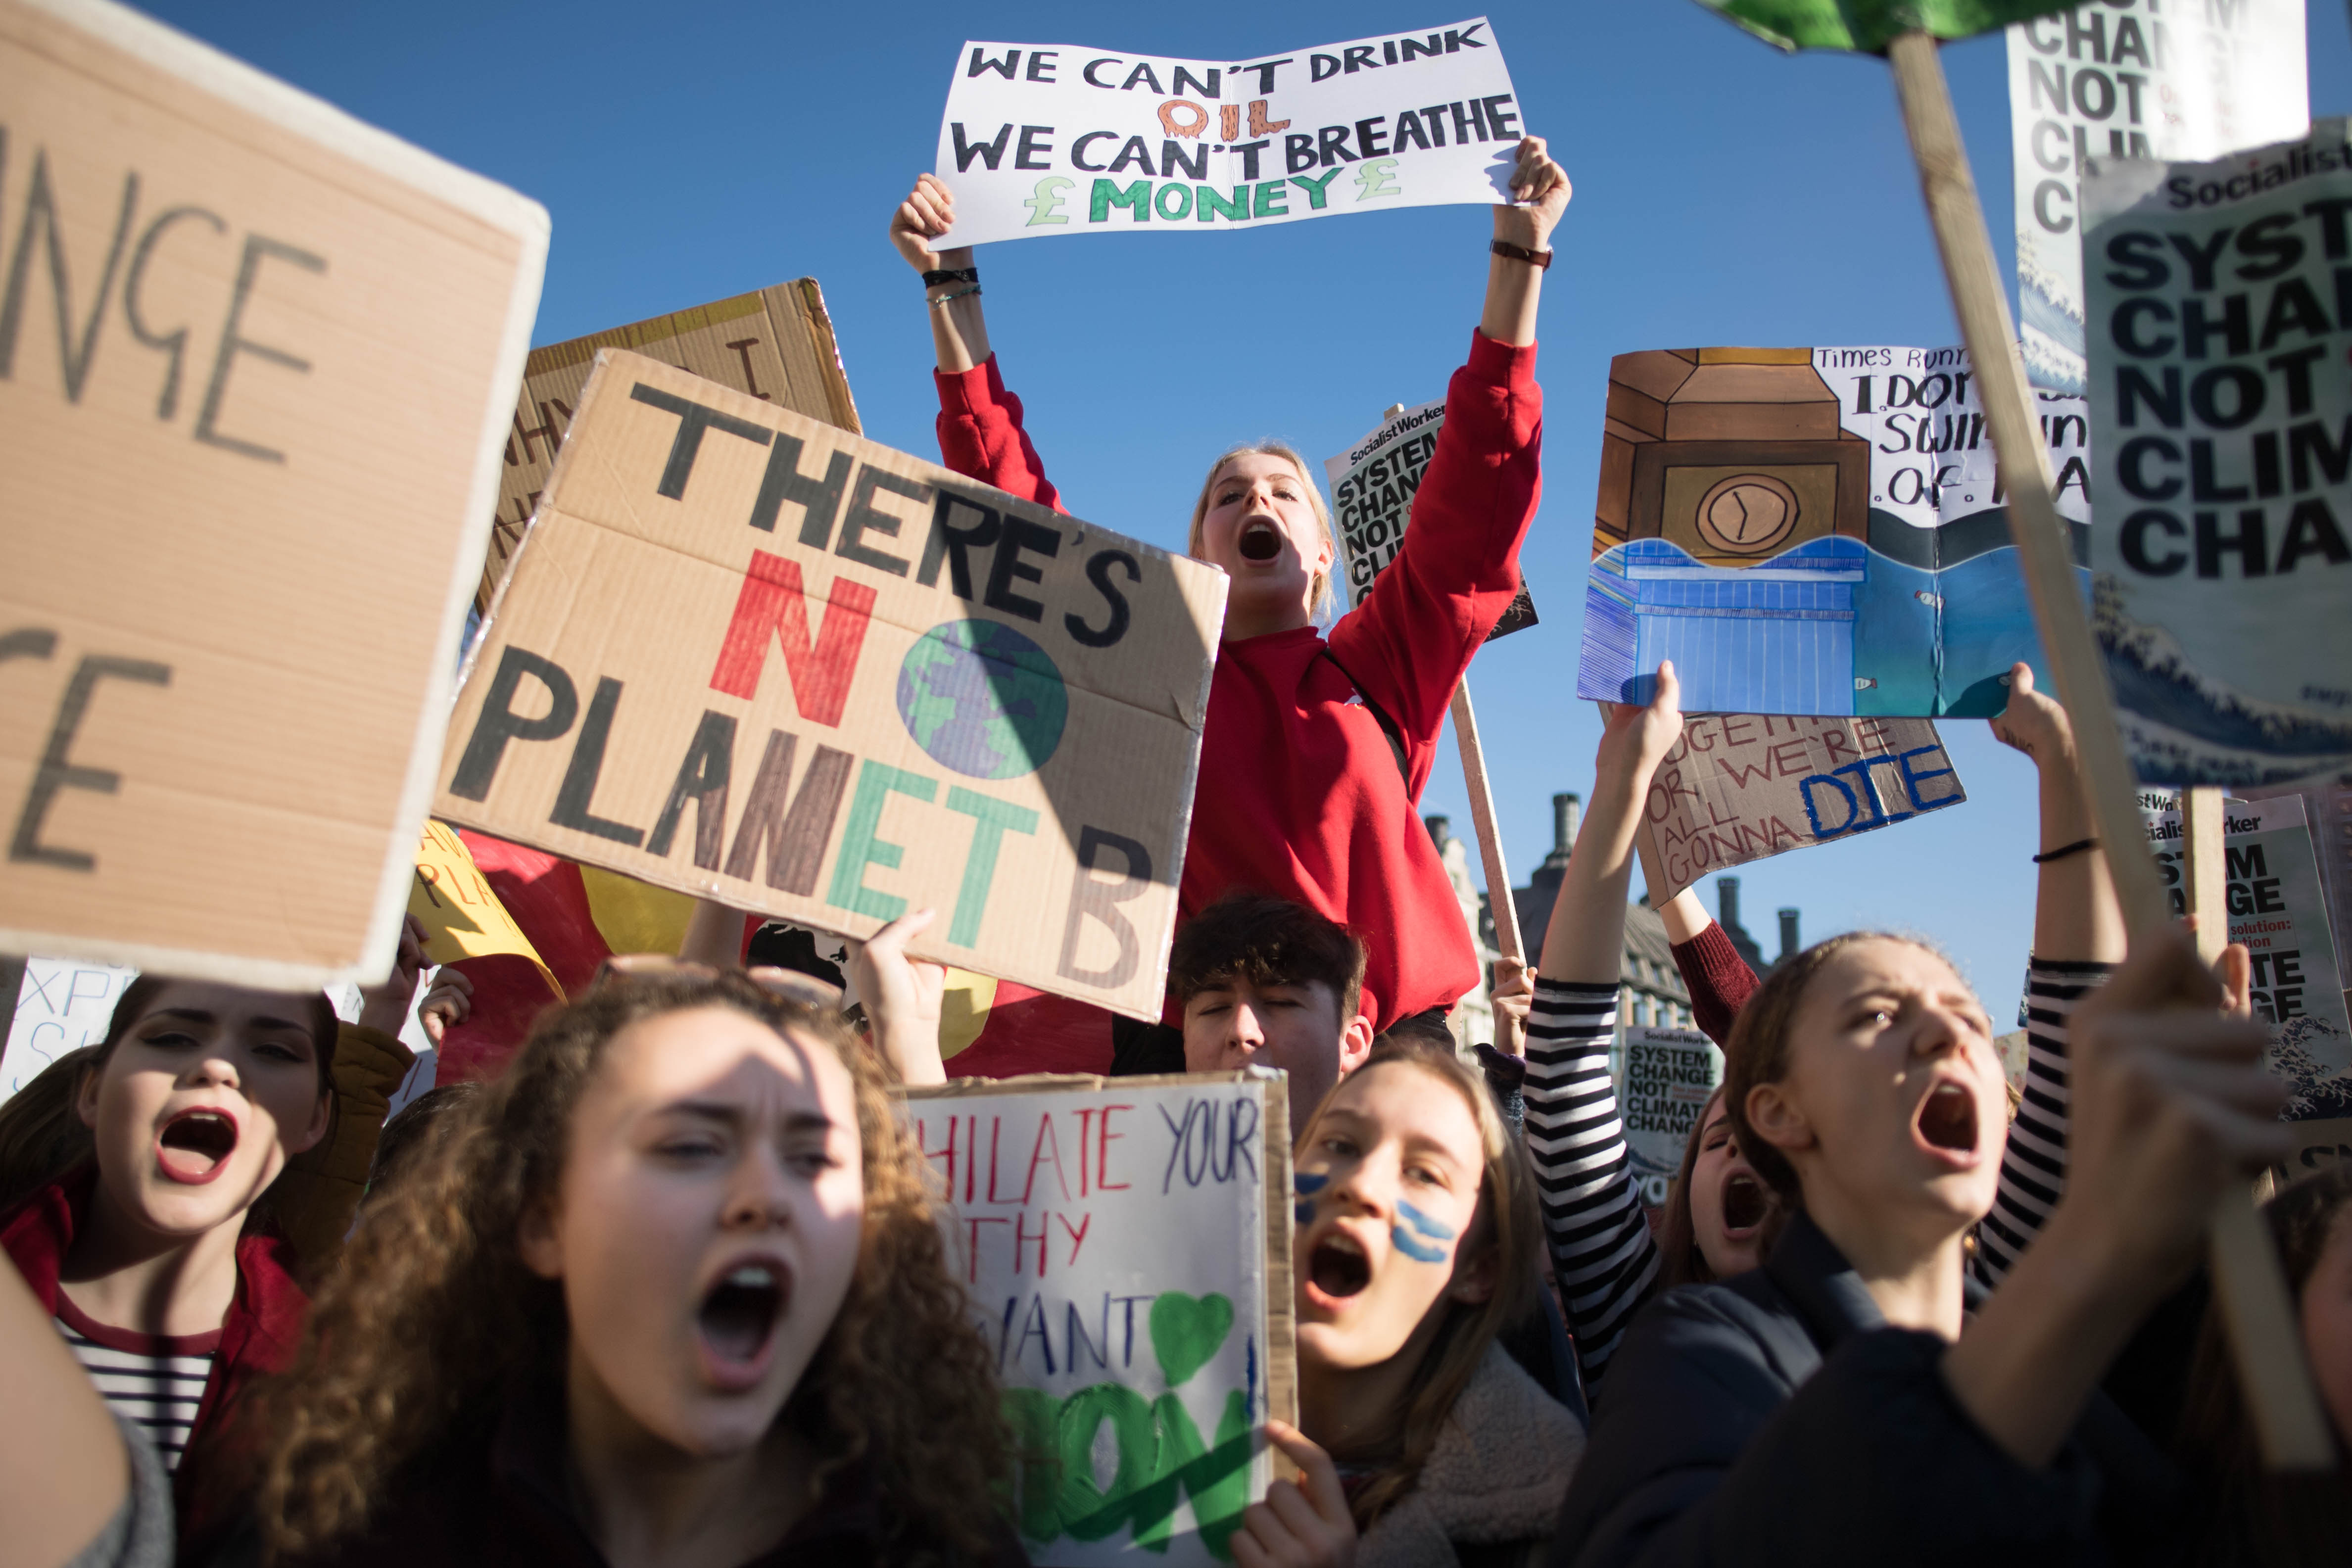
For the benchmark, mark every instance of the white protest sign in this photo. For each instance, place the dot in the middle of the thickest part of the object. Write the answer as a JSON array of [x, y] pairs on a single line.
[[1126, 1245], [2221, 443], [1667, 1077], [2274, 907], [2131, 78], [1057, 139], [1742, 786], [1372, 487], [63, 1005]]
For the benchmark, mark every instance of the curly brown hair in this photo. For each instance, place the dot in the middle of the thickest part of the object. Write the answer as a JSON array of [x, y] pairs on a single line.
[[432, 1317]]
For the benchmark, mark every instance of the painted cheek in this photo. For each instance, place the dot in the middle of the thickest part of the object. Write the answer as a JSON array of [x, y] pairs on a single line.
[[1421, 1238], [1307, 1185]]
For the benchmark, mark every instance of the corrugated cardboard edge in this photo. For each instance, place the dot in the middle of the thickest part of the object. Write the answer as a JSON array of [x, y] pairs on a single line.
[[509, 212], [805, 301], [1281, 1304]]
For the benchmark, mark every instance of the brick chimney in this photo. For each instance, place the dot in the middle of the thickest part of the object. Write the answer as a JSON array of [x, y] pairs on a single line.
[[1789, 943]]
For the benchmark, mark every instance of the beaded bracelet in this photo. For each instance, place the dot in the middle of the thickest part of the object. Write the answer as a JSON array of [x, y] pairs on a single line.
[[967, 288]]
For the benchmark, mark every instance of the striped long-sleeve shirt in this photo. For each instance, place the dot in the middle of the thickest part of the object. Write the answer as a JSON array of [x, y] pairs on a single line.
[[2033, 1165], [149, 1382], [1602, 1251]]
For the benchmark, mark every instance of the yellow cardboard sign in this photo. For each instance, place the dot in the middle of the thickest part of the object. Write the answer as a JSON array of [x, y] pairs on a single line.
[[462, 916]]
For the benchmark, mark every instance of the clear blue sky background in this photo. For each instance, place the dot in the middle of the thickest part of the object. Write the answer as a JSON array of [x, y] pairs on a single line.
[[1724, 194]]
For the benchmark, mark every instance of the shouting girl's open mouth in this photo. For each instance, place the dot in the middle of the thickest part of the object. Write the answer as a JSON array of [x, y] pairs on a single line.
[[1338, 1268], [1744, 1203], [736, 1323], [1260, 541], [194, 1145], [1946, 1123]]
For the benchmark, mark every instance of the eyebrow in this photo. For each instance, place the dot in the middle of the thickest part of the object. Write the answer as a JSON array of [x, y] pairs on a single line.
[[733, 1116]]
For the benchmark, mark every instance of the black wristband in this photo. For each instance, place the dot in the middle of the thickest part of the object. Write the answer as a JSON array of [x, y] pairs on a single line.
[[940, 275], [1538, 259], [2062, 851]]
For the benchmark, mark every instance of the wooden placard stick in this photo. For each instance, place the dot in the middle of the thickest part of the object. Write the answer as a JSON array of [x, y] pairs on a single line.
[[2204, 868], [2245, 1266], [1490, 852]]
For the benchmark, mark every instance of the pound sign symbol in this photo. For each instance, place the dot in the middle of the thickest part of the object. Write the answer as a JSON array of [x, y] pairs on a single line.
[[1377, 177], [1046, 207]]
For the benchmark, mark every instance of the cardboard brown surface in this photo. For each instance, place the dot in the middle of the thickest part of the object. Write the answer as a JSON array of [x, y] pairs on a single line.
[[776, 344], [1742, 786], [256, 361], [702, 689]]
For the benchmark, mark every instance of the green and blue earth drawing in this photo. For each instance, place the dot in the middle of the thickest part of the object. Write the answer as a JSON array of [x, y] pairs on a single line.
[[981, 699]]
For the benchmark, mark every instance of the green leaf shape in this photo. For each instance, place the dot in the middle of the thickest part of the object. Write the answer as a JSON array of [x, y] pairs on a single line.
[[1867, 27], [1186, 1332]]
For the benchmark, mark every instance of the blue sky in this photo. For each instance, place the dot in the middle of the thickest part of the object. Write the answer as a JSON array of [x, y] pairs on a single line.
[[1724, 194]]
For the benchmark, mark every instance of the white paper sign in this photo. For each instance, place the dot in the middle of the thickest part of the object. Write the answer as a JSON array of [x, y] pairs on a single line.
[[2131, 78], [1663, 1083], [63, 1005], [1058, 139], [2275, 907], [1126, 1245], [2221, 452]]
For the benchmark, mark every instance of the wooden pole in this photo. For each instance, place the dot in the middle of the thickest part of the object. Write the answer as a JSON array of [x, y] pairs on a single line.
[[2245, 1267], [2204, 873], [1490, 852]]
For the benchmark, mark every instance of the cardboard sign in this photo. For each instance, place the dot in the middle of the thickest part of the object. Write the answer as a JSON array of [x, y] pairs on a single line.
[[2130, 79], [1126, 1245], [1812, 531], [1372, 487], [2218, 410], [1058, 139], [1743, 787], [2276, 909], [746, 655], [461, 916], [1664, 1080], [256, 360], [776, 344]]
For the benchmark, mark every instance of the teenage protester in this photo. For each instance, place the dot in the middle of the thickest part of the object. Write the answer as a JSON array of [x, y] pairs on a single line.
[[1268, 982], [2254, 1517], [1827, 1405], [41, 1134], [1315, 753], [672, 1291], [142, 1253]]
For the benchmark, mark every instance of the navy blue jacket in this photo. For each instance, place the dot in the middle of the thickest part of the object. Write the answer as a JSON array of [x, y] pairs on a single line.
[[1776, 1418]]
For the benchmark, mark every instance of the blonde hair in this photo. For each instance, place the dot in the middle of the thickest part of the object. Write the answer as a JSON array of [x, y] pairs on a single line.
[[1320, 600], [1508, 1226], [431, 1316]]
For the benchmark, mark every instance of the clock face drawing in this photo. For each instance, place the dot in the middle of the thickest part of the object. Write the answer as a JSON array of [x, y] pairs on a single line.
[[1747, 514]]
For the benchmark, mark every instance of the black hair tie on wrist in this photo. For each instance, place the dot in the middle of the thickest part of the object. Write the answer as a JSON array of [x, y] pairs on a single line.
[[940, 275], [2062, 851]]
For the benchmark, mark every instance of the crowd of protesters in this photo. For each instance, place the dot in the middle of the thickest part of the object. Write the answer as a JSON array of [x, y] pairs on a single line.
[[672, 1288]]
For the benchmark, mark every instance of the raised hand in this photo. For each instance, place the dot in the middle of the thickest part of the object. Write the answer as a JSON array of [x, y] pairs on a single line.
[[2033, 722], [902, 999], [927, 214], [450, 1003], [1636, 739], [1539, 195]]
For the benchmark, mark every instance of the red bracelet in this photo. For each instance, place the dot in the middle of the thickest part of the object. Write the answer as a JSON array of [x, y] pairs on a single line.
[[1538, 259]]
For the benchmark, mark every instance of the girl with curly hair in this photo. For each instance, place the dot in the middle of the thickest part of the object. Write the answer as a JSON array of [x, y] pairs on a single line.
[[672, 1291]]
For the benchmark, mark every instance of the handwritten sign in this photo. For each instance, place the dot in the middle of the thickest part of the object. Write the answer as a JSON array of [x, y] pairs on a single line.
[[1372, 487], [256, 360], [62, 1004], [461, 915], [1127, 1244], [1742, 786], [750, 656], [1058, 139]]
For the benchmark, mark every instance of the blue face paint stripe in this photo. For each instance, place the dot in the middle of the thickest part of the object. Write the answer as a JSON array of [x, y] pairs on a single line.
[[1411, 1248], [1308, 1183], [1435, 1230], [1305, 1212]]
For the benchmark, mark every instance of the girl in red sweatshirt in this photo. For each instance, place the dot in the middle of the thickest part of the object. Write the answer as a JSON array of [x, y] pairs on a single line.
[[1316, 750]]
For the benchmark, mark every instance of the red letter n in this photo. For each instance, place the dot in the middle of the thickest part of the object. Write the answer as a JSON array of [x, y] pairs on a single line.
[[773, 604]]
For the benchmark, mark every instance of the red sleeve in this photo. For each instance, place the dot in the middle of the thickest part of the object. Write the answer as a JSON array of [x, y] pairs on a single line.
[[981, 436], [1719, 979], [1411, 640]]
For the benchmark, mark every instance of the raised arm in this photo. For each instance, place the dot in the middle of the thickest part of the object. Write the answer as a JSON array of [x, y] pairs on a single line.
[[1602, 1254], [1717, 977], [980, 435], [2078, 938]]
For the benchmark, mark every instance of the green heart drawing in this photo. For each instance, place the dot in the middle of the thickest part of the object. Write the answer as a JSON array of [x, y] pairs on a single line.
[[1186, 1332]]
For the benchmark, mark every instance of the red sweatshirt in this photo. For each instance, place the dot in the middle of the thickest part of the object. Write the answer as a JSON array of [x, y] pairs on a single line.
[[1300, 793]]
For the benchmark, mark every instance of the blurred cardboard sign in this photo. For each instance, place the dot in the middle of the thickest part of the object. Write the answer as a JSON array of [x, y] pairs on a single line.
[[776, 344], [755, 658], [1742, 786], [1126, 1245], [256, 359], [1372, 487]]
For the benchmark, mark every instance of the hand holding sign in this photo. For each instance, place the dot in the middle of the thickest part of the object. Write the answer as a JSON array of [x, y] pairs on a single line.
[[1303, 1523]]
